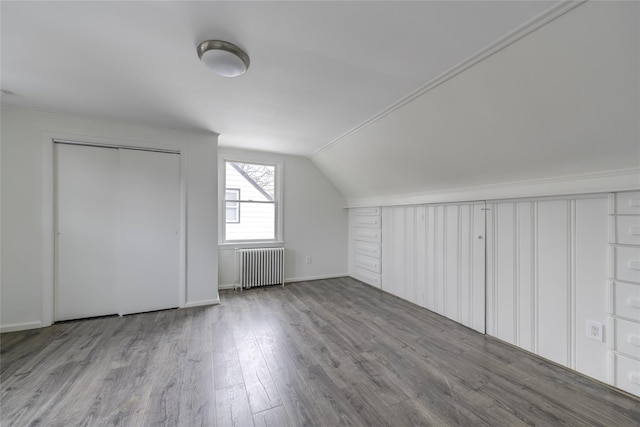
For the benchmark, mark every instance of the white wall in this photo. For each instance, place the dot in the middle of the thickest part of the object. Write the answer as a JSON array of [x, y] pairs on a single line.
[[315, 222], [560, 102], [25, 271]]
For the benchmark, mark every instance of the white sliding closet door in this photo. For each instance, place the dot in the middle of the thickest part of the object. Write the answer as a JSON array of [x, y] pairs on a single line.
[[148, 231], [118, 222], [85, 231]]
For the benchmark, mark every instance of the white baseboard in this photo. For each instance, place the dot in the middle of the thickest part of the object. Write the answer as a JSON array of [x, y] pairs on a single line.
[[309, 278], [20, 326], [231, 286], [201, 303]]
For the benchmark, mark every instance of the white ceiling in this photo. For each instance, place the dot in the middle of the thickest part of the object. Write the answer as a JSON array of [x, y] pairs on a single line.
[[318, 69]]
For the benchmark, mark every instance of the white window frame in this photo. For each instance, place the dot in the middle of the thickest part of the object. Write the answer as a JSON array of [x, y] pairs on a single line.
[[239, 156]]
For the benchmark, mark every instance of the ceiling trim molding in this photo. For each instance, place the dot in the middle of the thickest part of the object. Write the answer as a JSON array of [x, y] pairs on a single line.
[[588, 183], [522, 31], [193, 130]]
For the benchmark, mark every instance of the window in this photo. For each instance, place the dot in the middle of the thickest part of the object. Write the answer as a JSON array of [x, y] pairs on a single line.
[[250, 202], [232, 209]]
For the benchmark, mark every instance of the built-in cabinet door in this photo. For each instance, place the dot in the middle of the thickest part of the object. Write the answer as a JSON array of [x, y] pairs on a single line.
[[547, 277], [511, 297], [398, 252], [86, 231], [434, 256], [589, 284], [553, 239], [117, 221]]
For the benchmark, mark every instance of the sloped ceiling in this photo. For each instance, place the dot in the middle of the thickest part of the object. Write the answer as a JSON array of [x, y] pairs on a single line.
[[318, 69], [556, 112]]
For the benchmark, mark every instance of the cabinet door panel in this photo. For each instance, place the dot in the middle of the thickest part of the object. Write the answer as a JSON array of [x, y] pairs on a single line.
[[590, 253], [627, 266], [510, 276], [451, 264], [504, 242], [628, 203], [478, 297], [525, 268], [627, 374], [368, 249], [626, 300], [553, 284], [627, 230], [434, 257]]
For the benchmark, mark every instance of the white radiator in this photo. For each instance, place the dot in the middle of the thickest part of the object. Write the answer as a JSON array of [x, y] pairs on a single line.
[[260, 267]]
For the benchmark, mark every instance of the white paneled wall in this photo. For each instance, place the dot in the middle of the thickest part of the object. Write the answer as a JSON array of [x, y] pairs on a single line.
[[555, 268], [434, 256], [547, 276]]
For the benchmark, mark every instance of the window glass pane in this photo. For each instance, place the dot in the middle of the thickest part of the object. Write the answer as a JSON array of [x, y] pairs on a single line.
[[250, 199], [257, 182], [232, 212], [258, 222], [232, 208]]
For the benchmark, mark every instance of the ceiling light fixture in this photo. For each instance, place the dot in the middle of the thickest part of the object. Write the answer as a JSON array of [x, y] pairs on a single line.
[[224, 58]]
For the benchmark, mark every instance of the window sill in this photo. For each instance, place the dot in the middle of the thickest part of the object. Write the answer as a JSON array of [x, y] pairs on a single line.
[[243, 245]]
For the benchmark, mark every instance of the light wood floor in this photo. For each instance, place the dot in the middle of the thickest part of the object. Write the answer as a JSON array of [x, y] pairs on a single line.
[[331, 352]]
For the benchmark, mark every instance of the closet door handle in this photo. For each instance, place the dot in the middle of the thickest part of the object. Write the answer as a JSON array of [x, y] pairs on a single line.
[[634, 302]]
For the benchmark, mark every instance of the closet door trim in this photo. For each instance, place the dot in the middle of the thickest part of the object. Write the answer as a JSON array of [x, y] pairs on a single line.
[[123, 146]]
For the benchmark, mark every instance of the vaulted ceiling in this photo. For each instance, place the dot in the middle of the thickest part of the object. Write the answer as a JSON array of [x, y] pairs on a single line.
[[318, 69]]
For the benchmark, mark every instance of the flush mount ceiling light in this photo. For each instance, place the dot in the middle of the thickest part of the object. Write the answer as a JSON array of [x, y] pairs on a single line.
[[224, 58]]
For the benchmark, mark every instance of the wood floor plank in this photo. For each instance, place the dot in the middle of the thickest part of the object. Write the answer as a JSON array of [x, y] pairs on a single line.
[[232, 407], [299, 404], [331, 400], [227, 372], [261, 388], [197, 396], [274, 417], [326, 353]]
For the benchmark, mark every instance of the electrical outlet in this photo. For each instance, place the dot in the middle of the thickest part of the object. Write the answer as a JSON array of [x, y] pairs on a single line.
[[308, 260], [595, 331]]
